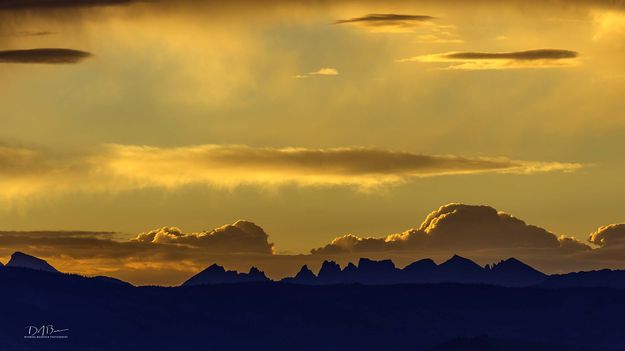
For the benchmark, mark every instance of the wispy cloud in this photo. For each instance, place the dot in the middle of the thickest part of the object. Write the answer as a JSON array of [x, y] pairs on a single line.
[[44, 55], [439, 39], [542, 58], [608, 24], [27, 33], [326, 71], [122, 167]]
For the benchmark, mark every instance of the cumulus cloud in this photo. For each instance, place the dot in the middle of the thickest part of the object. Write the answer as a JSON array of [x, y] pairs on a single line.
[[459, 227], [609, 235], [327, 71], [123, 167], [240, 237], [45, 56], [466, 226], [541, 58]]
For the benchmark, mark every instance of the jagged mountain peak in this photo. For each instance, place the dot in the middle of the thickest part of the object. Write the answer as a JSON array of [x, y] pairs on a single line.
[[305, 273]]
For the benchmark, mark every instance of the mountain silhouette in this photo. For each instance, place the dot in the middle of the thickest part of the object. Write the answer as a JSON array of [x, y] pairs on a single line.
[[377, 272], [111, 280], [22, 260], [216, 274], [420, 271], [304, 276], [461, 270], [605, 278], [222, 309], [330, 273], [457, 269], [512, 272], [103, 315]]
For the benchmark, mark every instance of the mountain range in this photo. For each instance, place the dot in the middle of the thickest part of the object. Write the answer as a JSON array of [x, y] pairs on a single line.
[[457, 270], [456, 305]]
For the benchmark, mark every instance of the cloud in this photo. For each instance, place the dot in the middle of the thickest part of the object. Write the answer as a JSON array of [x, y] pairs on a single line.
[[26, 33], [569, 243], [46, 56], [531, 55], [389, 23], [458, 228], [167, 250], [320, 72], [31, 4], [125, 167], [478, 232], [542, 58], [609, 24], [240, 237], [377, 18], [439, 39], [609, 235], [427, 30], [231, 165]]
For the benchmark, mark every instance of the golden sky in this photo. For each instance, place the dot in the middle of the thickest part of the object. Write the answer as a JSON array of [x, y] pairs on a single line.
[[311, 119]]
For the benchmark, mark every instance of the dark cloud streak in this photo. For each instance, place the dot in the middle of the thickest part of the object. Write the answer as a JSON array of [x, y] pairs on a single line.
[[43, 56], [541, 54], [36, 4], [386, 18]]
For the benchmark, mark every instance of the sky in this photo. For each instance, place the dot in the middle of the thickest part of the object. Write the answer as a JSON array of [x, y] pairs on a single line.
[[312, 120]]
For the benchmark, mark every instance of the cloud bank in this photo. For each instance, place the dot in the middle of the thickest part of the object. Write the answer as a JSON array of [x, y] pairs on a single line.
[[124, 167], [45, 56], [168, 255], [458, 227], [164, 256], [541, 58]]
